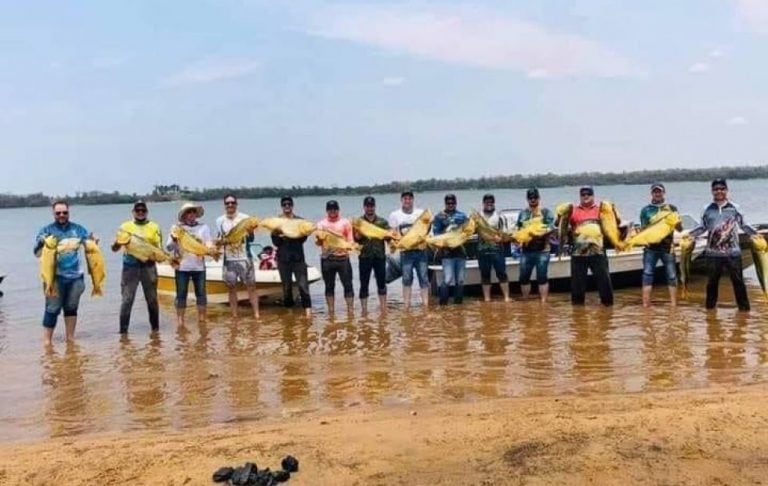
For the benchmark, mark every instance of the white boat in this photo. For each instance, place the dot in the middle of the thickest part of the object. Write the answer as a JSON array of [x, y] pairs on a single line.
[[268, 284]]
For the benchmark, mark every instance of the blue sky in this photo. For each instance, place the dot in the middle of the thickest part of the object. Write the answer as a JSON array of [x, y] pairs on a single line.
[[124, 95]]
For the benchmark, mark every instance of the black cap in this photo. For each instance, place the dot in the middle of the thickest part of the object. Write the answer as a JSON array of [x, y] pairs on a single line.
[[450, 197], [332, 204], [369, 201], [719, 182], [532, 193], [586, 188], [285, 199], [140, 204], [658, 185], [489, 197], [406, 192]]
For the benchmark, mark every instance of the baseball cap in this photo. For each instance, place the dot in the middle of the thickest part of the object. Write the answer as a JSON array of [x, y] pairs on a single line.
[[332, 204], [532, 193], [369, 201], [489, 197], [140, 204], [450, 198], [407, 192], [657, 185], [719, 182], [587, 188], [286, 199]]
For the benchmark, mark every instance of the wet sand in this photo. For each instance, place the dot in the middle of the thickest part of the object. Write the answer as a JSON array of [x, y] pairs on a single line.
[[712, 436]]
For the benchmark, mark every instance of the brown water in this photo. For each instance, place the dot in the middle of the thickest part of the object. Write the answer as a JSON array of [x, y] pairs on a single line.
[[286, 365]]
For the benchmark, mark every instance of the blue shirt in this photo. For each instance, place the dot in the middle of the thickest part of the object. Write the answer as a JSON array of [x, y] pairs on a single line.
[[444, 222], [722, 225], [70, 236]]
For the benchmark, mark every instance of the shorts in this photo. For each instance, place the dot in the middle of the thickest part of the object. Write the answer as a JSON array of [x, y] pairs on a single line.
[[530, 260], [650, 258], [495, 261], [238, 270], [68, 292], [414, 260]]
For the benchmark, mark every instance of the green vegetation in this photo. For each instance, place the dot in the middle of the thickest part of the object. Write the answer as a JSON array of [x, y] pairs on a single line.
[[518, 181]]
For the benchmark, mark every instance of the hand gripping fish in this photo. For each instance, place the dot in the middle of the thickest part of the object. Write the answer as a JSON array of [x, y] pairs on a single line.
[[371, 231], [48, 265], [686, 260], [290, 227], [485, 231], [97, 268], [237, 234], [455, 238], [759, 249], [330, 241], [661, 226], [563, 212], [610, 224], [140, 248], [533, 228], [190, 244], [416, 237]]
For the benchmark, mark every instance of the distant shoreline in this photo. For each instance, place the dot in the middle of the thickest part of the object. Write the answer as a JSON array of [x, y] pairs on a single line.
[[175, 192]]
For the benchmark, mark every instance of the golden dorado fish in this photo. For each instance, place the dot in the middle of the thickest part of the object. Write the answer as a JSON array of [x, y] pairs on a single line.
[[563, 212], [609, 222], [455, 238], [416, 237], [331, 241], [139, 248], [290, 227], [237, 234], [686, 261], [484, 230], [533, 228], [97, 268], [760, 256], [661, 226], [48, 265], [190, 244], [370, 230]]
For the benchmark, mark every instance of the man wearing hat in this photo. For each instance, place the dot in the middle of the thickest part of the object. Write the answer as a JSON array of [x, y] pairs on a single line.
[[490, 253], [237, 265], [535, 254], [136, 272], [411, 260], [721, 221], [373, 257], [454, 260], [335, 261], [659, 251], [191, 267], [291, 262]]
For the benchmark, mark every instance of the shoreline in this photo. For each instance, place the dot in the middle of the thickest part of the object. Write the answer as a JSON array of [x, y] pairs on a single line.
[[688, 436]]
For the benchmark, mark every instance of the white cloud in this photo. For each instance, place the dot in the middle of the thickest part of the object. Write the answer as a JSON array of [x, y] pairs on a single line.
[[737, 121], [754, 14], [472, 37], [211, 70], [393, 82], [700, 68], [716, 53]]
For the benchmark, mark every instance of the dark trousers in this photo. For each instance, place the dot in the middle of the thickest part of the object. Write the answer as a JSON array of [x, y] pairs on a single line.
[[330, 267], [129, 282], [731, 266], [599, 266], [287, 270], [379, 268]]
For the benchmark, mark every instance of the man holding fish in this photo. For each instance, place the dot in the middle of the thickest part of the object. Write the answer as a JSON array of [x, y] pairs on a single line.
[[289, 240], [136, 270], [535, 251], [412, 225], [490, 249], [453, 259], [372, 231], [336, 239], [234, 233]]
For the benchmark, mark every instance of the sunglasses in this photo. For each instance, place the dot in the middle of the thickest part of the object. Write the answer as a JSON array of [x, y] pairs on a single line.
[[719, 188], [230, 203], [536, 198], [61, 213], [587, 194], [140, 210], [287, 205]]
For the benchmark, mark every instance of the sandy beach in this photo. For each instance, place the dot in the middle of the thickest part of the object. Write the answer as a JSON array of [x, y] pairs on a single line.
[[712, 436]]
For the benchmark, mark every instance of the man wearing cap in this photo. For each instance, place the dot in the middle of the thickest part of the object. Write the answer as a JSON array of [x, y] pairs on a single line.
[[237, 264], [410, 260], [136, 272], [373, 257], [721, 221], [490, 254], [291, 262], [659, 251], [335, 261], [454, 260], [588, 252], [191, 267], [535, 254]]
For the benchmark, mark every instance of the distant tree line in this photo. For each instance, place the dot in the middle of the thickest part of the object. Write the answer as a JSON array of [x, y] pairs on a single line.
[[172, 192]]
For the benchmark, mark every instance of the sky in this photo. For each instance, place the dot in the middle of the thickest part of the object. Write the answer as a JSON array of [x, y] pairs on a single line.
[[121, 96]]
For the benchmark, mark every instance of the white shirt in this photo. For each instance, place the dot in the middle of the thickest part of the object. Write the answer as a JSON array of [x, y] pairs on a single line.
[[223, 225], [403, 221]]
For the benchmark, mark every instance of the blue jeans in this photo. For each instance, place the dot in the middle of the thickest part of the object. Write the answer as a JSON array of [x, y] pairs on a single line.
[[68, 292], [530, 260], [650, 258], [454, 270], [414, 260], [182, 287], [486, 261]]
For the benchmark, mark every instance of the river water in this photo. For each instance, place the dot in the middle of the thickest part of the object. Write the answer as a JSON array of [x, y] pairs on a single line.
[[285, 365]]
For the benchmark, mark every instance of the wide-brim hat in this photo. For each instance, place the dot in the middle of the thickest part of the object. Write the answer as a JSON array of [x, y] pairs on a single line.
[[189, 205]]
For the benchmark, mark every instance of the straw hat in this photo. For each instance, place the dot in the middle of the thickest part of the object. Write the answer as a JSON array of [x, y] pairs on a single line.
[[189, 205]]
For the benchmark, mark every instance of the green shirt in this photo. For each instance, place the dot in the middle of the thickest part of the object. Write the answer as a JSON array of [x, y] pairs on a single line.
[[647, 214], [373, 248]]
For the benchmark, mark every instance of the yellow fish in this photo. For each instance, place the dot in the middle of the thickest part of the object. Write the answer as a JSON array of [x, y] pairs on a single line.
[[237, 234], [190, 244], [97, 268], [371, 231], [139, 248], [331, 241], [563, 212], [290, 227], [686, 258], [484, 230], [590, 231], [609, 222], [760, 256], [416, 237], [661, 225], [453, 239], [533, 228], [48, 265]]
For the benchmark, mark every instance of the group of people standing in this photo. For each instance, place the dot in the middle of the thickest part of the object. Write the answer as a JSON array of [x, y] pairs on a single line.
[[721, 220]]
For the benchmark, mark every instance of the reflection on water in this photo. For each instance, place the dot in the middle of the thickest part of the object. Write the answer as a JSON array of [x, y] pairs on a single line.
[[227, 371]]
